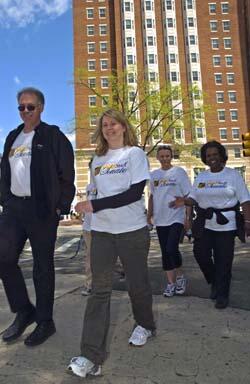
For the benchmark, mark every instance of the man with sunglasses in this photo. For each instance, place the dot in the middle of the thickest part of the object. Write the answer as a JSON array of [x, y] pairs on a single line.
[[36, 187]]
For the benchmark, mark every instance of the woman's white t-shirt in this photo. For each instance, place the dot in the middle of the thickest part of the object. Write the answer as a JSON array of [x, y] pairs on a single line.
[[165, 186], [114, 173], [220, 190], [20, 160]]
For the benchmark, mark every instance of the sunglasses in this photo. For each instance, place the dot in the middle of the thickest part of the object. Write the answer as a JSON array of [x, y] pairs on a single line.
[[29, 107]]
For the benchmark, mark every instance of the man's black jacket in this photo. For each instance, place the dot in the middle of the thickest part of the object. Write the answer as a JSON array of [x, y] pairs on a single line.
[[51, 172]]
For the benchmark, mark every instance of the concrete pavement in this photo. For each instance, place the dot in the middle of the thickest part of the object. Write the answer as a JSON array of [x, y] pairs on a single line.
[[195, 343]]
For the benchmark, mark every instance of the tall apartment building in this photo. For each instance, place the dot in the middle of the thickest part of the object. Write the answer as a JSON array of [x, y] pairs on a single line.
[[187, 42]]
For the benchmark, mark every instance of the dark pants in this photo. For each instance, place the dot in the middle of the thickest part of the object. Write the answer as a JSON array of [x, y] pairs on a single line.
[[214, 253], [132, 248], [169, 238], [17, 223]]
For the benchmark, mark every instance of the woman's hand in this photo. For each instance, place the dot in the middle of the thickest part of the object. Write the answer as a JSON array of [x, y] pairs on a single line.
[[84, 207], [177, 203]]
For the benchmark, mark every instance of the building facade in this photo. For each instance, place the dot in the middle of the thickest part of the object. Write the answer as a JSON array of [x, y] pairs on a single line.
[[198, 43]]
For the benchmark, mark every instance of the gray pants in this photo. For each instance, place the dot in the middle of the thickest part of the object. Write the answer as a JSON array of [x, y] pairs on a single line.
[[132, 248]]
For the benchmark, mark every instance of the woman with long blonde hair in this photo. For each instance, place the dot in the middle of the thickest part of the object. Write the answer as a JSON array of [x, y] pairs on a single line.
[[118, 228]]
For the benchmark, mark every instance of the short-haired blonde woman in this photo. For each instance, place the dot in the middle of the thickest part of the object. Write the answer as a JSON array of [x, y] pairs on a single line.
[[118, 227]]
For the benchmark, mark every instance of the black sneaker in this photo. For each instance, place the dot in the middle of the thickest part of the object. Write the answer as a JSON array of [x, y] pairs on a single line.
[[22, 321], [221, 302], [41, 333]]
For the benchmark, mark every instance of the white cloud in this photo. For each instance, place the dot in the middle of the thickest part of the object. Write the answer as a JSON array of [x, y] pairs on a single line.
[[23, 12], [17, 80]]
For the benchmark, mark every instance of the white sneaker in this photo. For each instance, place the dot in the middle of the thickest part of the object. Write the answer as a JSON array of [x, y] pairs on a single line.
[[139, 336], [181, 284], [82, 367], [170, 290], [86, 291]]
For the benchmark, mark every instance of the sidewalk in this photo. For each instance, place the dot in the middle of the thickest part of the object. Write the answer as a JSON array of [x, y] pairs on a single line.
[[195, 343]]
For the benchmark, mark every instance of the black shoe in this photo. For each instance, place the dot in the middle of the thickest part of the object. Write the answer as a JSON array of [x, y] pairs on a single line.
[[213, 293], [22, 321], [221, 302], [41, 333]]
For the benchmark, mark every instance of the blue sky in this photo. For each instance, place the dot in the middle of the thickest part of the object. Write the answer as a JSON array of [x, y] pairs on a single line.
[[36, 45]]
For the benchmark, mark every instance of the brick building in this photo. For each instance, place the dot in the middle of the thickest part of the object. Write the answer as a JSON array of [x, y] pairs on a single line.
[[187, 42]]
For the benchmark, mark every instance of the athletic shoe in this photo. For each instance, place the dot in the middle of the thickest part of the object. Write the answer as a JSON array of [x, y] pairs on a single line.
[[181, 284], [86, 291], [170, 290], [221, 302], [80, 366], [139, 336]]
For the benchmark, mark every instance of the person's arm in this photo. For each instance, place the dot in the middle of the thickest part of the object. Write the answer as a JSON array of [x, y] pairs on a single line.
[[188, 218], [181, 201], [246, 213], [150, 209], [131, 195]]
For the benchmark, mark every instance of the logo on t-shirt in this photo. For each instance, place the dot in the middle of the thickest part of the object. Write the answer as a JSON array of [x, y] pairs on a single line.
[[20, 152], [213, 184], [112, 168], [164, 182]]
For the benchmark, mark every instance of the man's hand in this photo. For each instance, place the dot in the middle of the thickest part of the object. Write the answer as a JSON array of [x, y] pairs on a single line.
[[84, 207]]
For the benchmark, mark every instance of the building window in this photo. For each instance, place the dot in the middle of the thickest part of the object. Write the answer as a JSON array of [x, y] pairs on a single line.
[[193, 57], [174, 76], [149, 23], [152, 76], [90, 30], [195, 76], [216, 61], [215, 43], [190, 21], [103, 29], [131, 96], [91, 65], [127, 6], [235, 133], [237, 153], [104, 64], [91, 47], [129, 41], [213, 26], [189, 4], [220, 97], [92, 101], [171, 40], [199, 133], [226, 25], [229, 61], [105, 100], [104, 82], [102, 13], [90, 13], [170, 22], [192, 39], [129, 24], [178, 133], [151, 58], [103, 46], [212, 8], [197, 94], [224, 8], [223, 133], [234, 114], [221, 115], [131, 77], [227, 43], [169, 4], [232, 96], [218, 78], [148, 5], [130, 59], [230, 78], [150, 41], [93, 120], [172, 58], [92, 82]]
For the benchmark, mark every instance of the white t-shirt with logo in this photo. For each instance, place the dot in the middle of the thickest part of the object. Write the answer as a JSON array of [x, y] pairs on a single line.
[[20, 160], [220, 190], [165, 186], [90, 195], [114, 173]]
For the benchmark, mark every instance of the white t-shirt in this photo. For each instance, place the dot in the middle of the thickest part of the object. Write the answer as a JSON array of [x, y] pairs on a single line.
[[165, 186], [20, 160], [90, 195], [115, 173], [220, 190]]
